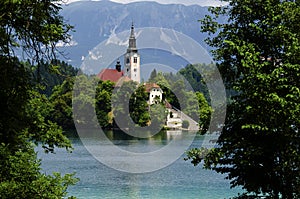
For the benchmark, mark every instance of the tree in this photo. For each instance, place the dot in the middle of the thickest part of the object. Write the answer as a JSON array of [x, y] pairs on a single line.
[[103, 103], [179, 89], [61, 102], [257, 51], [192, 75], [84, 101], [32, 28], [130, 101], [21, 176], [23, 122], [152, 75], [204, 112], [138, 106], [191, 105], [53, 74], [120, 101], [158, 115]]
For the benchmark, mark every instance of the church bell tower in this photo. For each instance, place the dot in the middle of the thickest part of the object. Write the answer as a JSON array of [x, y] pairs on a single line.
[[132, 59]]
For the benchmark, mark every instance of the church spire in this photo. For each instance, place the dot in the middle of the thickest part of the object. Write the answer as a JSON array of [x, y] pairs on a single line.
[[132, 40], [132, 30], [132, 59]]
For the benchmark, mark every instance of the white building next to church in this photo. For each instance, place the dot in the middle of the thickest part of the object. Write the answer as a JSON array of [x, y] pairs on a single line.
[[155, 93]]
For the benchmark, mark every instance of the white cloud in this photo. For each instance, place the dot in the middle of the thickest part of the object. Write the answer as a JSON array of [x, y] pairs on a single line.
[[186, 2]]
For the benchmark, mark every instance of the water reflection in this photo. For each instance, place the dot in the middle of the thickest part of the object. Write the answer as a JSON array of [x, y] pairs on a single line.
[[124, 152], [164, 137], [128, 142], [120, 135]]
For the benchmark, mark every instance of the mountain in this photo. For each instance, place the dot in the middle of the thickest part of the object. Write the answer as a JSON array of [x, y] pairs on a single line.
[[95, 21], [185, 2]]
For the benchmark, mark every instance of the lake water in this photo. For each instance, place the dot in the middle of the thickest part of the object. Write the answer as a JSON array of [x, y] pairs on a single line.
[[178, 180]]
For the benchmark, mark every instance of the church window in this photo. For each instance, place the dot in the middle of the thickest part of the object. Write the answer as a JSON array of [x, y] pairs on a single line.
[[134, 70], [127, 61], [135, 60]]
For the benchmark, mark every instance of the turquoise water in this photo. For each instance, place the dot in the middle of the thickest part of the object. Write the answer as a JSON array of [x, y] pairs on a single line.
[[178, 180]]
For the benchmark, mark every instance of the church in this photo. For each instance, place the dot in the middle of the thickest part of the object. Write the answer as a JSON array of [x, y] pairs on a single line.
[[131, 71], [131, 61]]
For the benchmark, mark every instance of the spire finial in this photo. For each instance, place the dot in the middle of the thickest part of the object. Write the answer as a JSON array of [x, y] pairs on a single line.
[[132, 30], [132, 40]]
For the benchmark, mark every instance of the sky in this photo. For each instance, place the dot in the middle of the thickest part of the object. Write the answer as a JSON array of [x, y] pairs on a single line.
[[185, 2]]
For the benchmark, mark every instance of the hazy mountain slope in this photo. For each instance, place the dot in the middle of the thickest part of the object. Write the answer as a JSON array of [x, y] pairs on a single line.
[[95, 21]]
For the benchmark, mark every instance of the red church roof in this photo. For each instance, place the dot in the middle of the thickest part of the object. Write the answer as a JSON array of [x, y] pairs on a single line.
[[110, 74]]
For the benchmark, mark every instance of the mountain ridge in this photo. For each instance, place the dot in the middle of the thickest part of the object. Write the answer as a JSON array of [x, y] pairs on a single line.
[[95, 21]]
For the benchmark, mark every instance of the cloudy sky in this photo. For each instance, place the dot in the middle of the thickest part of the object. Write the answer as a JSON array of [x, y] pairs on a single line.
[[185, 2]]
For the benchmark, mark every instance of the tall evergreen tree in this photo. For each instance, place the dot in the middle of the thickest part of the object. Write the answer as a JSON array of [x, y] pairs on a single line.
[[152, 75]]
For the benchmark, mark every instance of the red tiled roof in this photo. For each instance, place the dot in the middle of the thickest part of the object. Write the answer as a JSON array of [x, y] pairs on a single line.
[[110, 74], [149, 86]]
